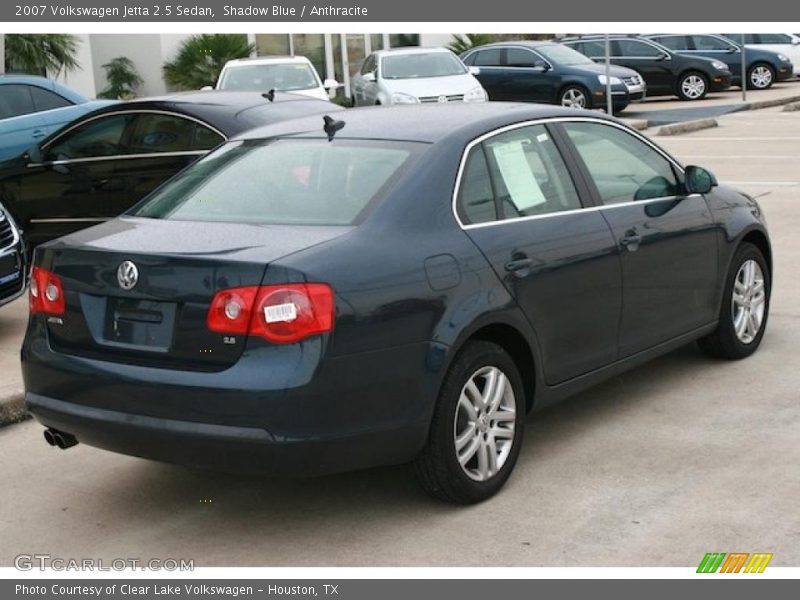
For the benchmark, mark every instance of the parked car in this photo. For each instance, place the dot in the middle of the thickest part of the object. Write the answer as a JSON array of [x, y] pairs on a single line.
[[294, 74], [414, 76], [12, 259], [404, 284], [762, 67], [33, 107], [100, 165], [665, 72], [787, 44], [552, 74]]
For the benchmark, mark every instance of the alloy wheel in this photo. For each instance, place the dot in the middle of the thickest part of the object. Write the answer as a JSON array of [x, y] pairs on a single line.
[[483, 428], [761, 77], [693, 87], [573, 98], [748, 302]]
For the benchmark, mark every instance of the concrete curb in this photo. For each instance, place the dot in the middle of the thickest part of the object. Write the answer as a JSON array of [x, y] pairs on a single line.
[[12, 410], [686, 127], [770, 103], [638, 124], [792, 107]]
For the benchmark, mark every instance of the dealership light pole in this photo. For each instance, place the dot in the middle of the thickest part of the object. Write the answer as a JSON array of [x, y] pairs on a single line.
[[744, 74], [609, 104]]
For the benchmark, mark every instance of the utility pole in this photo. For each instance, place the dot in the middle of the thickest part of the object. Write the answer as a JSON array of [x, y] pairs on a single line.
[[609, 103]]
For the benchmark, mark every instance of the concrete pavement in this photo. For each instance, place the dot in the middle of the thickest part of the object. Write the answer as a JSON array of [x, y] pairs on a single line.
[[13, 319], [683, 456]]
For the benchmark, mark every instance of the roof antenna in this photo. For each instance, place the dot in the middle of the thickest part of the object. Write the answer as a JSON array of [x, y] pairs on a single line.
[[331, 126], [270, 95]]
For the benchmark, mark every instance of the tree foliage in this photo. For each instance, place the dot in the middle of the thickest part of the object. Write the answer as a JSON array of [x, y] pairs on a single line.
[[201, 58], [41, 54], [122, 77]]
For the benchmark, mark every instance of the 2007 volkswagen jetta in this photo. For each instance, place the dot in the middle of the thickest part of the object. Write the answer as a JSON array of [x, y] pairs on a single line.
[[402, 285]]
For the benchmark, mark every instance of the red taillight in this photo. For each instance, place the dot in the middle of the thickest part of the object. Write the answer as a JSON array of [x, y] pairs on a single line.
[[283, 314], [46, 293]]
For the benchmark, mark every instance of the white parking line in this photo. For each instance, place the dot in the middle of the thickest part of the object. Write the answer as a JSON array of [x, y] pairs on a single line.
[[765, 183], [734, 139]]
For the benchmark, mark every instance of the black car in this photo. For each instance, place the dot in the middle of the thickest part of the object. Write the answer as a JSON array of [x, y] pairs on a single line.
[[12, 259], [762, 67], [551, 74], [666, 73], [403, 284], [104, 162]]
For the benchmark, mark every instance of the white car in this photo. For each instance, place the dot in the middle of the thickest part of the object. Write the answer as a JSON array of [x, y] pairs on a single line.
[[280, 73], [787, 44], [415, 76]]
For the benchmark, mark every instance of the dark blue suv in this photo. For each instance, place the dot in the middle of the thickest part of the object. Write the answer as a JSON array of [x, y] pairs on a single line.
[[550, 73]]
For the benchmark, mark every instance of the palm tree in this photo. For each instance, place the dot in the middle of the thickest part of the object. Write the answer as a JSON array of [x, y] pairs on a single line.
[[122, 79], [40, 54], [462, 43], [201, 58]]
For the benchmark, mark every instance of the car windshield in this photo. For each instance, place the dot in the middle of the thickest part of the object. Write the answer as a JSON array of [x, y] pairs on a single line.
[[422, 64], [283, 77], [282, 181], [563, 55]]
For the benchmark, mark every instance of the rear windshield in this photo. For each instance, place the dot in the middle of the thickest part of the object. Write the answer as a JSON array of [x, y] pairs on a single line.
[[283, 77], [284, 181]]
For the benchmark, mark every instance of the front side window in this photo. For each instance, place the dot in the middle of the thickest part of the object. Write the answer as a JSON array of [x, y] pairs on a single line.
[[289, 182], [774, 38], [623, 168], [15, 100], [421, 64], [636, 49], [370, 64], [155, 132], [520, 57], [103, 137], [563, 55], [749, 38], [591, 48], [674, 42], [283, 77], [491, 57]]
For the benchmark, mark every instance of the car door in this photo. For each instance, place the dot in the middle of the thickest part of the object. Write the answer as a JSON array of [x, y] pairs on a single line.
[[365, 85], [75, 183], [492, 75], [653, 64], [161, 144], [709, 46], [518, 202], [667, 240], [20, 126], [530, 77]]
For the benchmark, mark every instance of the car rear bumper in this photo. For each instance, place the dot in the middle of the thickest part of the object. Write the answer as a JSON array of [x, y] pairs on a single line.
[[281, 410]]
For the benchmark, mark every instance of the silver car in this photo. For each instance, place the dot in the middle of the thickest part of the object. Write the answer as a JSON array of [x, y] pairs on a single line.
[[12, 259], [415, 76]]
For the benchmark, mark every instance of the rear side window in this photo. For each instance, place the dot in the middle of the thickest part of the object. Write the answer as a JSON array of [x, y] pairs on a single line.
[[591, 49], [674, 42], [475, 198], [156, 132], [491, 57], [47, 100], [15, 100], [623, 167], [774, 38], [292, 182], [635, 49]]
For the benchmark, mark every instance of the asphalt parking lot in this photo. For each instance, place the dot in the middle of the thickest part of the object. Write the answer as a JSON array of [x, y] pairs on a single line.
[[683, 456]]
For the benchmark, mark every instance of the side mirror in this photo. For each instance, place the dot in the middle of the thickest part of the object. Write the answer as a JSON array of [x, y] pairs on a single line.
[[207, 88], [662, 56], [474, 70], [330, 84], [733, 50], [795, 41], [369, 77], [698, 180], [540, 66], [35, 154]]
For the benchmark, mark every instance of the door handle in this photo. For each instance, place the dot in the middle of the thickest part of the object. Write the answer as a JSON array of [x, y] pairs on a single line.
[[631, 240], [518, 264], [38, 133]]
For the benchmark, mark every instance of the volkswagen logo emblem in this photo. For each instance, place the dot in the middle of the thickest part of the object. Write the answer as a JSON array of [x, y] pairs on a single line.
[[127, 275], [442, 99]]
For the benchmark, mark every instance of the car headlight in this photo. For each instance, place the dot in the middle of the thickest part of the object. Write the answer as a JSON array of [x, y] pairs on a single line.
[[476, 94], [783, 58], [612, 80], [403, 98], [720, 66]]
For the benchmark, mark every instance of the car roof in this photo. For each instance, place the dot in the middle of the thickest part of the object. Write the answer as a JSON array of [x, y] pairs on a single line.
[[43, 82], [526, 43], [421, 123], [229, 112], [411, 50], [266, 60]]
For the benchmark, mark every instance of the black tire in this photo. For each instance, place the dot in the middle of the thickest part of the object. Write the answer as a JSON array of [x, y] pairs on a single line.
[[437, 467], [575, 90], [767, 70], [689, 77], [723, 342]]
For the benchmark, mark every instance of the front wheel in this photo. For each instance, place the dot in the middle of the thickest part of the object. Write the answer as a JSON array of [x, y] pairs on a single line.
[[574, 96], [760, 76], [477, 427], [745, 307], [692, 86]]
